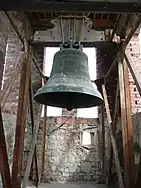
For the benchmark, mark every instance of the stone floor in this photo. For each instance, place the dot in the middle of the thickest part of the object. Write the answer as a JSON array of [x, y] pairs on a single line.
[[69, 185]]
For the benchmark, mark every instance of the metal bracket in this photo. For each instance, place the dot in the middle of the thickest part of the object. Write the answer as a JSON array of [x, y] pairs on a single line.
[[66, 29]]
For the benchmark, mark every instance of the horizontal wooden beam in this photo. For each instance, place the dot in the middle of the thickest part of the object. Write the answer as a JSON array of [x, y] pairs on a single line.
[[71, 5], [104, 23]]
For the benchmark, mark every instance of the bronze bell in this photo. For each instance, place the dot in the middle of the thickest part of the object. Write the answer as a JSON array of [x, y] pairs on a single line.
[[69, 85]]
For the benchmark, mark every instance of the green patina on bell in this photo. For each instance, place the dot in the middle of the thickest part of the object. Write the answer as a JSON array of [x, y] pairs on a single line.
[[69, 85]]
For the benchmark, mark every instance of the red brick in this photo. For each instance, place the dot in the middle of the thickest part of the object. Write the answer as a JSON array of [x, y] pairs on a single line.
[[82, 121]]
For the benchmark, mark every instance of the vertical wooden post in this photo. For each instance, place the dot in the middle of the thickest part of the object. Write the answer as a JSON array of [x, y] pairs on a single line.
[[114, 123], [129, 122], [126, 121], [33, 126], [32, 148], [44, 138], [113, 141], [103, 141], [138, 175], [4, 166], [21, 121]]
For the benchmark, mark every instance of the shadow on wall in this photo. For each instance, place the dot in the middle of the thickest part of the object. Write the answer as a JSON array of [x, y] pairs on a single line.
[[67, 159]]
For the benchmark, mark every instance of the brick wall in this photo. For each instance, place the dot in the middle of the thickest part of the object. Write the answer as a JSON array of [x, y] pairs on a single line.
[[133, 50], [14, 47], [4, 24], [3, 42]]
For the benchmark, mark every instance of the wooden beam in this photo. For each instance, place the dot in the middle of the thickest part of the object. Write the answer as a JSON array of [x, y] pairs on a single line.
[[27, 31], [103, 141], [114, 124], [4, 165], [126, 120], [132, 31], [21, 25], [104, 23], [39, 70], [32, 149], [129, 126], [44, 138], [115, 27], [138, 176], [74, 6], [134, 72], [125, 43], [21, 122], [33, 126], [113, 141]]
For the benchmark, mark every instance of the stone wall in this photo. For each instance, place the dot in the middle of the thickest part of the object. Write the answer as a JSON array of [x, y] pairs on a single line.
[[67, 159]]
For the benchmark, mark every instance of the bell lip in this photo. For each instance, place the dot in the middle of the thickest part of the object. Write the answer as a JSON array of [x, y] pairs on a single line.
[[99, 100]]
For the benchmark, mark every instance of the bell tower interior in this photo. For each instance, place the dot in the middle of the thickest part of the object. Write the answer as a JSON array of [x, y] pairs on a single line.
[[70, 108]]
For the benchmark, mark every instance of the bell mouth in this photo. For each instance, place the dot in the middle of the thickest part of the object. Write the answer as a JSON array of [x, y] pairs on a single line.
[[68, 100]]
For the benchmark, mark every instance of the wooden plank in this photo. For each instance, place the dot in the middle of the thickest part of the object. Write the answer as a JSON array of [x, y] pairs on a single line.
[[20, 123], [103, 141], [123, 120], [138, 176], [4, 166], [32, 123], [126, 121], [129, 126], [32, 149], [113, 141], [133, 29], [39, 70], [134, 72], [74, 6], [36, 166], [115, 27], [115, 117], [44, 138], [105, 23]]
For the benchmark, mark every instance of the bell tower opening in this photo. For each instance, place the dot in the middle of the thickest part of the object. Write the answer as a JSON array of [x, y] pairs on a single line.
[[48, 62], [93, 111]]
